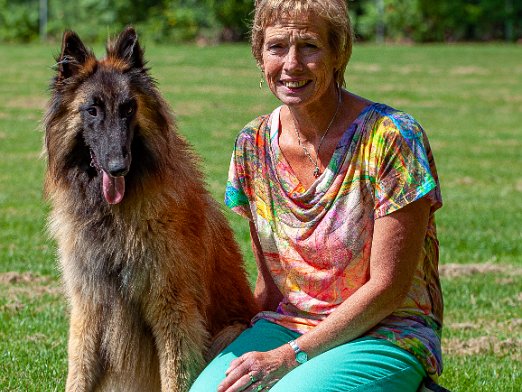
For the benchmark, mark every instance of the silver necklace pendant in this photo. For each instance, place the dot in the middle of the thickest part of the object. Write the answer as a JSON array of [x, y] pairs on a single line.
[[317, 171]]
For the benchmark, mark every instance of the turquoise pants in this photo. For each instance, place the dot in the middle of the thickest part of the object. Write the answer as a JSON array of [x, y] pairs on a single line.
[[365, 364]]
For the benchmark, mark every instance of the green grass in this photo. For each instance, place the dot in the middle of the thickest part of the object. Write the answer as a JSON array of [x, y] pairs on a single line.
[[467, 97]]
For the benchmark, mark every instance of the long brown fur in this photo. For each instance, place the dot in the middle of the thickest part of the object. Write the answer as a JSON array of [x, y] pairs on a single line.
[[152, 279]]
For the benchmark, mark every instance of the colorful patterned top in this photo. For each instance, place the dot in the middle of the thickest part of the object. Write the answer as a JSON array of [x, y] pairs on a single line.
[[317, 241]]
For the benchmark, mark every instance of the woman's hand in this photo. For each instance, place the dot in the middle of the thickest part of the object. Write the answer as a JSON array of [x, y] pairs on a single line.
[[257, 371]]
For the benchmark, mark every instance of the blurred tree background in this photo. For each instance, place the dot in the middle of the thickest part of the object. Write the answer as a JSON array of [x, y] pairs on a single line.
[[227, 20]]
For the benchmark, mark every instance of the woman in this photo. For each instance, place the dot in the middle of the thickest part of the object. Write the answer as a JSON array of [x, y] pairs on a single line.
[[340, 194]]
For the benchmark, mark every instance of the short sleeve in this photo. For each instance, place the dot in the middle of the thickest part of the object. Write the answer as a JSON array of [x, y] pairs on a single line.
[[404, 166], [245, 158], [235, 196]]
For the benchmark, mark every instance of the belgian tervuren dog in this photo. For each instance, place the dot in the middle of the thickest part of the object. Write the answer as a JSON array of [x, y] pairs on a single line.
[[150, 266]]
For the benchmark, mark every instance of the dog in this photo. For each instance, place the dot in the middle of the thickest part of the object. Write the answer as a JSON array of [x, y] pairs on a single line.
[[154, 278]]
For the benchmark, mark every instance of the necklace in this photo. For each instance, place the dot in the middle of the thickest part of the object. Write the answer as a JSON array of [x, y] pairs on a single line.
[[317, 171]]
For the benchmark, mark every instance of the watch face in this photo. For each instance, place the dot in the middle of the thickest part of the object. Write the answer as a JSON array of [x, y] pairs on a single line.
[[301, 357]]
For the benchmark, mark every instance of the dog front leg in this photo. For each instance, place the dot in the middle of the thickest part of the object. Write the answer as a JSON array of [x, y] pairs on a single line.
[[84, 342], [181, 340]]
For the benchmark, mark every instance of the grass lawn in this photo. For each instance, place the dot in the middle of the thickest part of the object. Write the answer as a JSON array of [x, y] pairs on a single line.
[[467, 97]]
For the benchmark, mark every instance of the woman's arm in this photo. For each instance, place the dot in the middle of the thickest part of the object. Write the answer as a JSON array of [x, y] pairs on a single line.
[[266, 292], [396, 247]]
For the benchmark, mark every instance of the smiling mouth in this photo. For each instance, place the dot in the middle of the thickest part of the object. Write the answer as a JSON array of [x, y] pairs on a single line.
[[296, 84]]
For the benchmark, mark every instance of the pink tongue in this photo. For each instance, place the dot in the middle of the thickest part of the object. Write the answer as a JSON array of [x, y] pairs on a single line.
[[113, 188]]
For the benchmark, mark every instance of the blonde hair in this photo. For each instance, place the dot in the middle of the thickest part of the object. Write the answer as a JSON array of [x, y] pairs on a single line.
[[333, 12]]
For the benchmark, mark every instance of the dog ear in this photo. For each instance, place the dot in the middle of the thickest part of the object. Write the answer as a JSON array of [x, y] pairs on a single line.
[[128, 48], [73, 56]]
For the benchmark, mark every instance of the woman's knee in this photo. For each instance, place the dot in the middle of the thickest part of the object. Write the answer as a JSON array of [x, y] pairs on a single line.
[[363, 365], [262, 336]]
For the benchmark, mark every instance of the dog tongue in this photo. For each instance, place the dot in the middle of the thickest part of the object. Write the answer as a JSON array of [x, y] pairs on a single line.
[[113, 188]]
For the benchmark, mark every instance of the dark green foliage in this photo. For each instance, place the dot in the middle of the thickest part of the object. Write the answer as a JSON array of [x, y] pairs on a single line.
[[441, 20], [18, 20], [235, 16], [158, 20], [228, 20]]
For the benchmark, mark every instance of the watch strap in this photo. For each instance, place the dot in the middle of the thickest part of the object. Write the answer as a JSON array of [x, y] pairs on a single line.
[[294, 346]]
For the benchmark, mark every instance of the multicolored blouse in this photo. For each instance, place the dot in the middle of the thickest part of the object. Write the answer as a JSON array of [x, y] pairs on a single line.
[[317, 241]]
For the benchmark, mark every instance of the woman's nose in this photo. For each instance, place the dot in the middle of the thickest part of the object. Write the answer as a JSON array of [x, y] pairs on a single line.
[[292, 60]]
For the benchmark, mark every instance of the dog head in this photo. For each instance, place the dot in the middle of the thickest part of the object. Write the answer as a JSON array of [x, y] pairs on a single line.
[[95, 103]]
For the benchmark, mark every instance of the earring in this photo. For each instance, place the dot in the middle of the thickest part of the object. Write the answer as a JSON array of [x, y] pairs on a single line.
[[261, 80]]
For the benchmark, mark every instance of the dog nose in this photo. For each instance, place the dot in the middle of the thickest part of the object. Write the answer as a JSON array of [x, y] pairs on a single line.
[[117, 168]]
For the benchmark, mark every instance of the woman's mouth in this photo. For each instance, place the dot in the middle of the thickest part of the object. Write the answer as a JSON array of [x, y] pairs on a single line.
[[295, 84]]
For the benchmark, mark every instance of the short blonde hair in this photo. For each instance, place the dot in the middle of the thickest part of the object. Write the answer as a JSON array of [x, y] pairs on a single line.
[[333, 12]]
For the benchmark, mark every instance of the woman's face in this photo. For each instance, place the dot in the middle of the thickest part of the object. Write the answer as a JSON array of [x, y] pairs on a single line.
[[297, 60]]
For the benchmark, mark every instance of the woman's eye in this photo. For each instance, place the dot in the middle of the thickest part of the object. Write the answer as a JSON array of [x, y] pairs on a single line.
[[275, 46]]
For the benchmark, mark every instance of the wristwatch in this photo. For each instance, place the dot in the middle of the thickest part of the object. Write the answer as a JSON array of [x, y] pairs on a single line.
[[300, 356]]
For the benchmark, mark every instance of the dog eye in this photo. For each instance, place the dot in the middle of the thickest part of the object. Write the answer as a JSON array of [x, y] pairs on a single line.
[[128, 109], [92, 111]]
